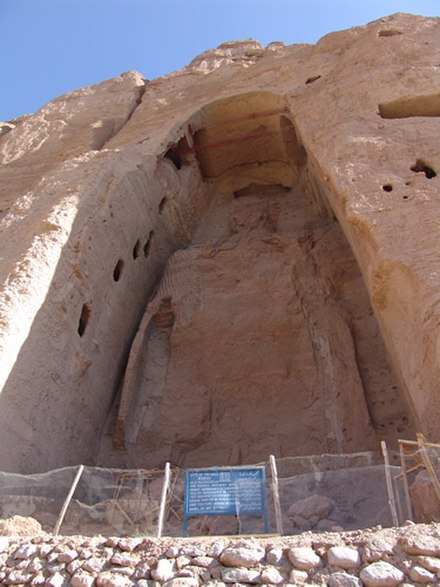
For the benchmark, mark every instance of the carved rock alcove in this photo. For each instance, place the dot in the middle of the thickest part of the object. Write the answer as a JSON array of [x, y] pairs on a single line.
[[273, 346]]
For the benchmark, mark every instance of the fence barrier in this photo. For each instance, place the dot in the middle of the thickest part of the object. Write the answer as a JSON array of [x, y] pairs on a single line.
[[318, 493]]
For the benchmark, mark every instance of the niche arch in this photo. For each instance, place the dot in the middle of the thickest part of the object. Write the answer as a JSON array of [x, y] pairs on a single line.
[[266, 296], [246, 139]]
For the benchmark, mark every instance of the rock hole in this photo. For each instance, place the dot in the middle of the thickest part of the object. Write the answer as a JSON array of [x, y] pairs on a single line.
[[407, 107], [83, 319], [420, 165], [387, 187], [405, 197], [174, 157], [389, 33], [312, 79], [117, 271], [147, 245], [179, 153], [136, 248], [162, 204]]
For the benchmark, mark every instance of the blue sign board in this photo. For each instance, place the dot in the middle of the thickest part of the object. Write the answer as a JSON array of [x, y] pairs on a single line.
[[225, 491]]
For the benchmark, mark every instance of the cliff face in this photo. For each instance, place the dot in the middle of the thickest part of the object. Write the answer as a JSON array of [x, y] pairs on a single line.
[[235, 259]]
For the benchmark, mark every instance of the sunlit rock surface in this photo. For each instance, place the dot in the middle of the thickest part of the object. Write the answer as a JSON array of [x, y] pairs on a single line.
[[237, 259]]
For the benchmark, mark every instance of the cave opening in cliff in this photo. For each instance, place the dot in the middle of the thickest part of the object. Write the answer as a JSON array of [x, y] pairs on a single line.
[[273, 347], [135, 252], [179, 153], [117, 271], [147, 245], [421, 167], [83, 319]]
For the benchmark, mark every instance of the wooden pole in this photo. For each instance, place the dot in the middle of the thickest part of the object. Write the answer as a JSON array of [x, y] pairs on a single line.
[[68, 499], [405, 481], [389, 481], [428, 464], [415, 443], [163, 500], [276, 495]]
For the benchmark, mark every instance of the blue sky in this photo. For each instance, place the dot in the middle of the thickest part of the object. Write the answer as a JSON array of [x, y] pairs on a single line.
[[50, 47]]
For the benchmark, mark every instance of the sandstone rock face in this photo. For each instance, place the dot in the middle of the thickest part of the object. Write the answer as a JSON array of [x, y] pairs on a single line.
[[242, 254]]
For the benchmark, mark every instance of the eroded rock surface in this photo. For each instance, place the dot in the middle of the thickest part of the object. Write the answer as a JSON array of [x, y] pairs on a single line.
[[260, 340], [264, 220]]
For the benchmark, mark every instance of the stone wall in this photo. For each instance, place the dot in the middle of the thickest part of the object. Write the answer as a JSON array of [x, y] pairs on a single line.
[[402, 556]]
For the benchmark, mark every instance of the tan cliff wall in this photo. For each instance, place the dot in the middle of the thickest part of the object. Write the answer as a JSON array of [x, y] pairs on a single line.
[[101, 186]]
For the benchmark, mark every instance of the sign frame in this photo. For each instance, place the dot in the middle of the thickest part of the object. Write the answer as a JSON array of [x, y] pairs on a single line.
[[223, 491]]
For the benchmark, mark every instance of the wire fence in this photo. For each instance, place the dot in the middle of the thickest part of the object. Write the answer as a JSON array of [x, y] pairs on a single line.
[[419, 479], [326, 492]]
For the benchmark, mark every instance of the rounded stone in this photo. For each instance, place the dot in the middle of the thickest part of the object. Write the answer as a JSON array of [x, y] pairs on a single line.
[[344, 557], [274, 556], [304, 558], [242, 556], [26, 551], [376, 549], [56, 580], [343, 580], [421, 545], [216, 548], [272, 576], [67, 556], [182, 561], [164, 570], [381, 574], [203, 561], [429, 562], [298, 577], [129, 544], [422, 575], [241, 576]]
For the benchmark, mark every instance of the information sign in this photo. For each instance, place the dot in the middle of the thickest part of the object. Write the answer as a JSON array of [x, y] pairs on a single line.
[[225, 491]]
